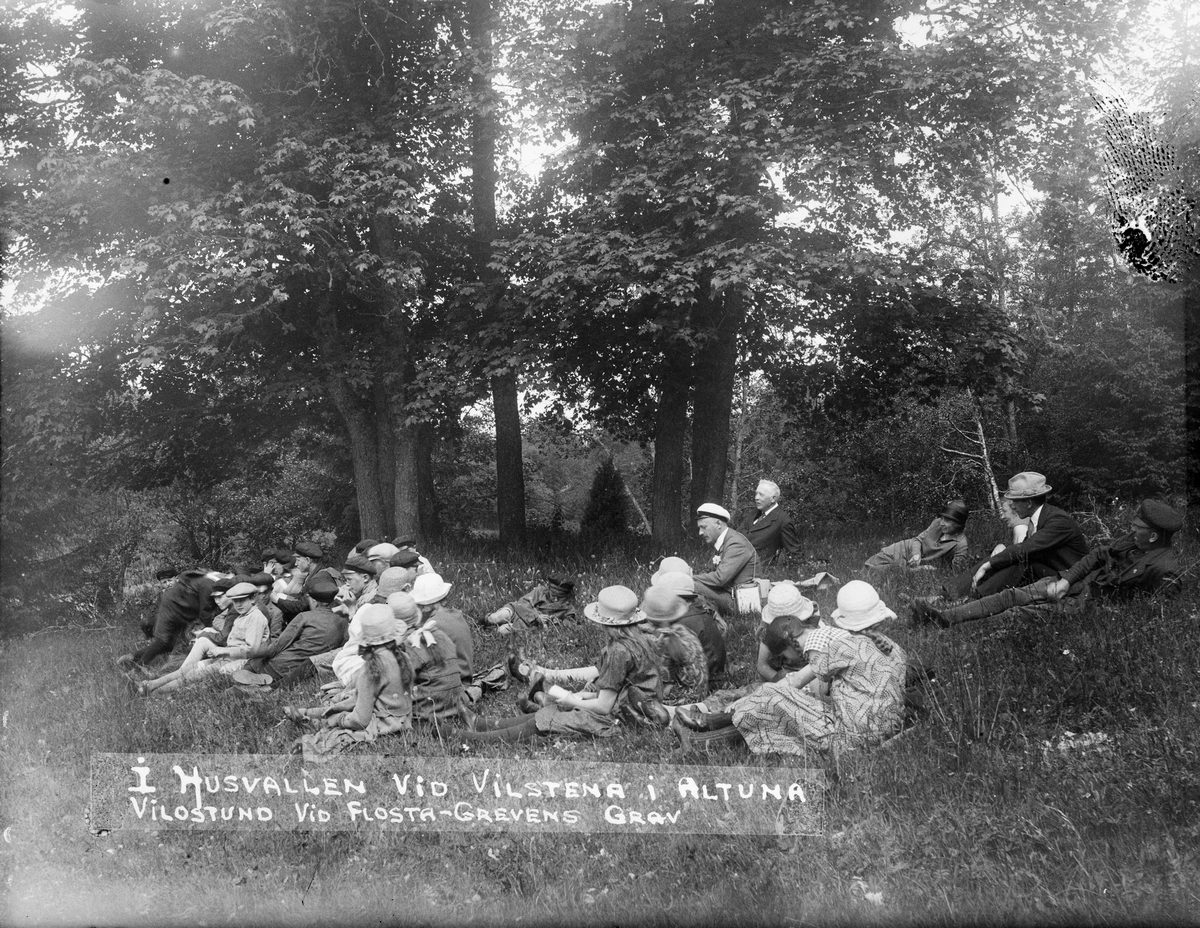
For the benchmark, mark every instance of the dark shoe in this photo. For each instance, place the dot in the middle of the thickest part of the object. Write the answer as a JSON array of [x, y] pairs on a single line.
[[692, 717], [650, 710], [518, 668], [469, 718], [925, 614], [535, 698]]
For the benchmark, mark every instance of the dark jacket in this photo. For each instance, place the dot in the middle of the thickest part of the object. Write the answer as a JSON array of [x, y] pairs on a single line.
[[187, 600], [1058, 544], [1122, 569], [770, 534]]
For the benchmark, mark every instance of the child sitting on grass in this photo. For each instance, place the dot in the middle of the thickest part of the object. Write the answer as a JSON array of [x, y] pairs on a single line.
[[208, 659], [862, 669], [626, 673], [381, 703]]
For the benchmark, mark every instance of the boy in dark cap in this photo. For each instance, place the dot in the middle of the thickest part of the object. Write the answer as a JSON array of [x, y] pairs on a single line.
[[1140, 561], [317, 630], [405, 543], [943, 544], [290, 598]]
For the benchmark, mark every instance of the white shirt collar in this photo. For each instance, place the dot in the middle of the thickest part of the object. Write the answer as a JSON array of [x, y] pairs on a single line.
[[721, 539], [1033, 519], [770, 509]]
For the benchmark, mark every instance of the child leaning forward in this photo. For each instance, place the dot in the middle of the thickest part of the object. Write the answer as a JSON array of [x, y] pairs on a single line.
[[626, 672]]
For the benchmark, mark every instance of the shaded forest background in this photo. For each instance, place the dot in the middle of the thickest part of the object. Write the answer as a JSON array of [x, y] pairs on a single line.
[[344, 269]]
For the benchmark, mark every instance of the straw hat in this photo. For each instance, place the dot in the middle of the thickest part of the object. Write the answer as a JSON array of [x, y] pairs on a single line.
[[392, 580], [662, 606], [859, 607], [677, 582], [785, 598], [429, 589], [1026, 485], [671, 565], [404, 608], [378, 624], [615, 605]]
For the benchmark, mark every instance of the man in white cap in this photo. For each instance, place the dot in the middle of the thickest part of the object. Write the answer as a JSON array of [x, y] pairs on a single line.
[[733, 564]]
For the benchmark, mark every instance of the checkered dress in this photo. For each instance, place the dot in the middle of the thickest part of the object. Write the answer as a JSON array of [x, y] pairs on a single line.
[[865, 702]]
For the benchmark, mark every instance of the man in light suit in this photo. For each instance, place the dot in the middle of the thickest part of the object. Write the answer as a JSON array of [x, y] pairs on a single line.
[[733, 564], [1054, 543], [768, 527]]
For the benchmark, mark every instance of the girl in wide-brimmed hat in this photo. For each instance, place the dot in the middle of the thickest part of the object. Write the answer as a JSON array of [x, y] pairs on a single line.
[[626, 676], [381, 701], [863, 669]]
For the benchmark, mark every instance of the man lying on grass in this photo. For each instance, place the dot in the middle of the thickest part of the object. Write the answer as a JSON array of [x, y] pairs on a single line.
[[1140, 561]]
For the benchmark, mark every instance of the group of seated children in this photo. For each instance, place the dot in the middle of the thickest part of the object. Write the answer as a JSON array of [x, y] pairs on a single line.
[[391, 652]]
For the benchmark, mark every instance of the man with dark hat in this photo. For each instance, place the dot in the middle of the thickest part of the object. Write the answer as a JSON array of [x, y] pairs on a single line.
[[733, 564], [943, 544], [314, 631], [1140, 561], [290, 598]]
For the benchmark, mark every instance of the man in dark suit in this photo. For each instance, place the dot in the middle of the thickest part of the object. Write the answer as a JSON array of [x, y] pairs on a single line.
[[768, 527], [733, 564], [1054, 543], [1140, 562]]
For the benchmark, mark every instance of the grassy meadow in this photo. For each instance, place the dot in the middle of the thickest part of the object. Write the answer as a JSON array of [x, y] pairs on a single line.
[[1055, 780]]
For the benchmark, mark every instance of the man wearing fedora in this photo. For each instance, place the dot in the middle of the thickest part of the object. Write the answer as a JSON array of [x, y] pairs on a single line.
[[733, 564], [1140, 561], [1054, 543], [944, 543], [768, 527]]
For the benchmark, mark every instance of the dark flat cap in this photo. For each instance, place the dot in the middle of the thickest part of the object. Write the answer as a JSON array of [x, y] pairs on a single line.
[[405, 558], [957, 511], [404, 541], [321, 587], [1159, 515], [221, 584], [166, 573], [561, 586], [360, 564], [308, 549], [262, 578], [365, 545]]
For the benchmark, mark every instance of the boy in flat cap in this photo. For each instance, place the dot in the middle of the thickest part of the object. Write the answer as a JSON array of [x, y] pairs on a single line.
[[1140, 561], [314, 631]]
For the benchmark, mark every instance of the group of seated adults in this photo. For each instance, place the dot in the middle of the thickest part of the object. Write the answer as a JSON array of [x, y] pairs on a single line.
[[388, 650]]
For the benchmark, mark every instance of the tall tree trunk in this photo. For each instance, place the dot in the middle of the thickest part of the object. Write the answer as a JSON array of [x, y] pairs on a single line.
[[407, 485], [364, 455], [510, 473], [712, 402], [386, 439], [431, 520], [360, 423], [670, 433]]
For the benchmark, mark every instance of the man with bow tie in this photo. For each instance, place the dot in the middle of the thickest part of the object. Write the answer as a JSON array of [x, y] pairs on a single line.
[[768, 527]]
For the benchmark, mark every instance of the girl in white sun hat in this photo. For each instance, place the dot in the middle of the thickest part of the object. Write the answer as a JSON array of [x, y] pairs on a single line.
[[863, 669]]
